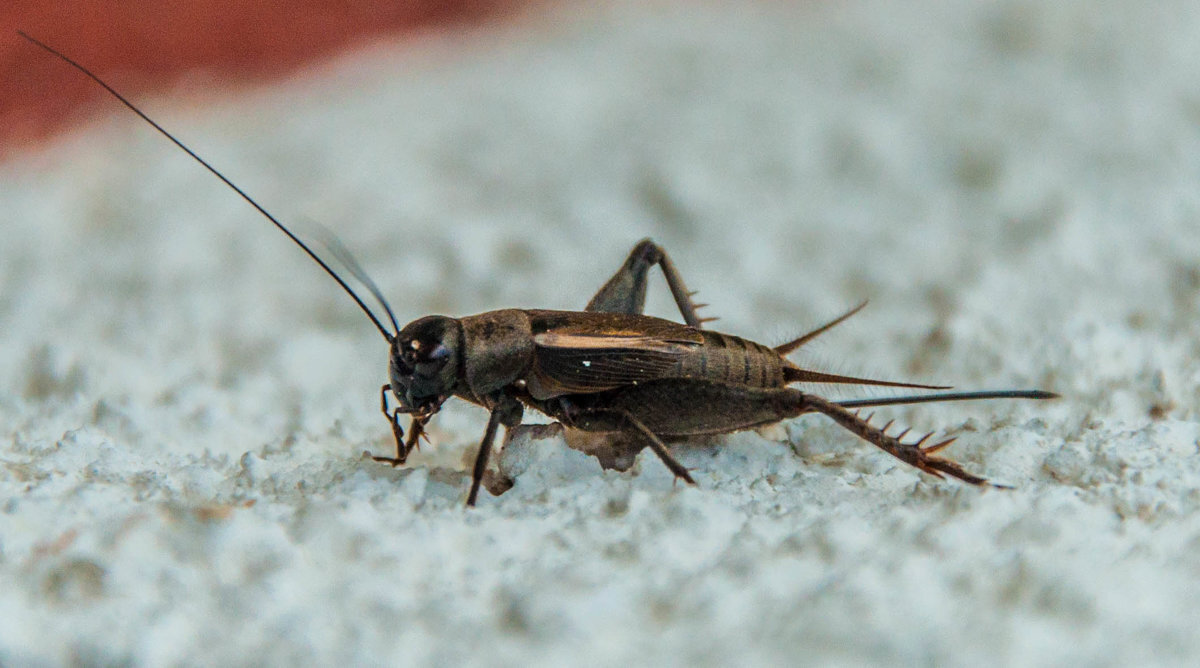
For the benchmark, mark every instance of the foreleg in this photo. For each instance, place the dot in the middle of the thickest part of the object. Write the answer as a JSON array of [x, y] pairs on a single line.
[[403, 446], [506, 411]]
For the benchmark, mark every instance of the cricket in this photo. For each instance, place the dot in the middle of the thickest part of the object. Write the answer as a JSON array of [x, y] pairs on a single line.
[[608, 368]]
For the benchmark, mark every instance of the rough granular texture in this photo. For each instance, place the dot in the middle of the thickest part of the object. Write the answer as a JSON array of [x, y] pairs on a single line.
[[1014, 186]]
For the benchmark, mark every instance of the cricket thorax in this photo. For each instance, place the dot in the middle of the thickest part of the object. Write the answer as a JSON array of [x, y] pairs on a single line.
[[501, 349]]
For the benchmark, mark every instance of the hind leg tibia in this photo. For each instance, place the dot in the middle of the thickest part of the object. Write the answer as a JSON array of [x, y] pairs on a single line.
[[625, 292], [914, 453]]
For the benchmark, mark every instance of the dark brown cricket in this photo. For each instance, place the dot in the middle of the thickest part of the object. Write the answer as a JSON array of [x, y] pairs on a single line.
[[608, 368]]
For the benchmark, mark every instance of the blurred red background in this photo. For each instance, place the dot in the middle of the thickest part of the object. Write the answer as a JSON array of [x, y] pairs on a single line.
[[141, 45]]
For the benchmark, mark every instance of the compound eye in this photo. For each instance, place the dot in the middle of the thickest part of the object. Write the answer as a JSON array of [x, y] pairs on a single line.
[[423, 355], [434, 355]]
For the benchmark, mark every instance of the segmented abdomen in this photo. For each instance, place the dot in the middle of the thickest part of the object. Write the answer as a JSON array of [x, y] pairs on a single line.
[[731, 359]]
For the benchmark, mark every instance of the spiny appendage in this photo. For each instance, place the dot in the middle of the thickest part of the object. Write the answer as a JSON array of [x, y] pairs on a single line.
[[697, 306], [790, 347], [915, 453]]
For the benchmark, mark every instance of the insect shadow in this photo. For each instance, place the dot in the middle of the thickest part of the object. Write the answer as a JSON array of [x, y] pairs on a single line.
[[607, 368]]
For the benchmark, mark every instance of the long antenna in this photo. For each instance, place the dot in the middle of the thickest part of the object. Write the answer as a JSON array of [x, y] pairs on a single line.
[[378, 325]]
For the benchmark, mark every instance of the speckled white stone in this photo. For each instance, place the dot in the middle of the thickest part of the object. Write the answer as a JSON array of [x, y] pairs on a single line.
[[1014, 185]]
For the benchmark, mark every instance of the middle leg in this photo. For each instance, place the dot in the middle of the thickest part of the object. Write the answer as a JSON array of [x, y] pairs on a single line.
[[625, 423]]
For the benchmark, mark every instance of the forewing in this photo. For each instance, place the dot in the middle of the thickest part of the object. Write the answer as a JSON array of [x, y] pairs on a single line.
[[578, 363]]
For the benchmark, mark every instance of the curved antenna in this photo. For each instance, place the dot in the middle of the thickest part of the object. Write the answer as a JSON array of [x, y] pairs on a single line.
[[121, 98], [338, 251]]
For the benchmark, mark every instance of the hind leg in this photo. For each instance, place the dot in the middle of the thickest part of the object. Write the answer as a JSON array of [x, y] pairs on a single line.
[[912, 453], [625, 292], [684, 407]]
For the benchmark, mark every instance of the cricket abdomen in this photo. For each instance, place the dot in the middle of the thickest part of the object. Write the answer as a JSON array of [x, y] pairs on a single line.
[[724, 358], [677, 407]]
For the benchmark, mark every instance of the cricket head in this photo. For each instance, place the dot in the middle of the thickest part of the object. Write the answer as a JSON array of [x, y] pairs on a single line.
[[424, 365]]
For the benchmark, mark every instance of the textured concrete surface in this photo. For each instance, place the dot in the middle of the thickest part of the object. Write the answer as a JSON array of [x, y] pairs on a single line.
[[1013, 185]]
